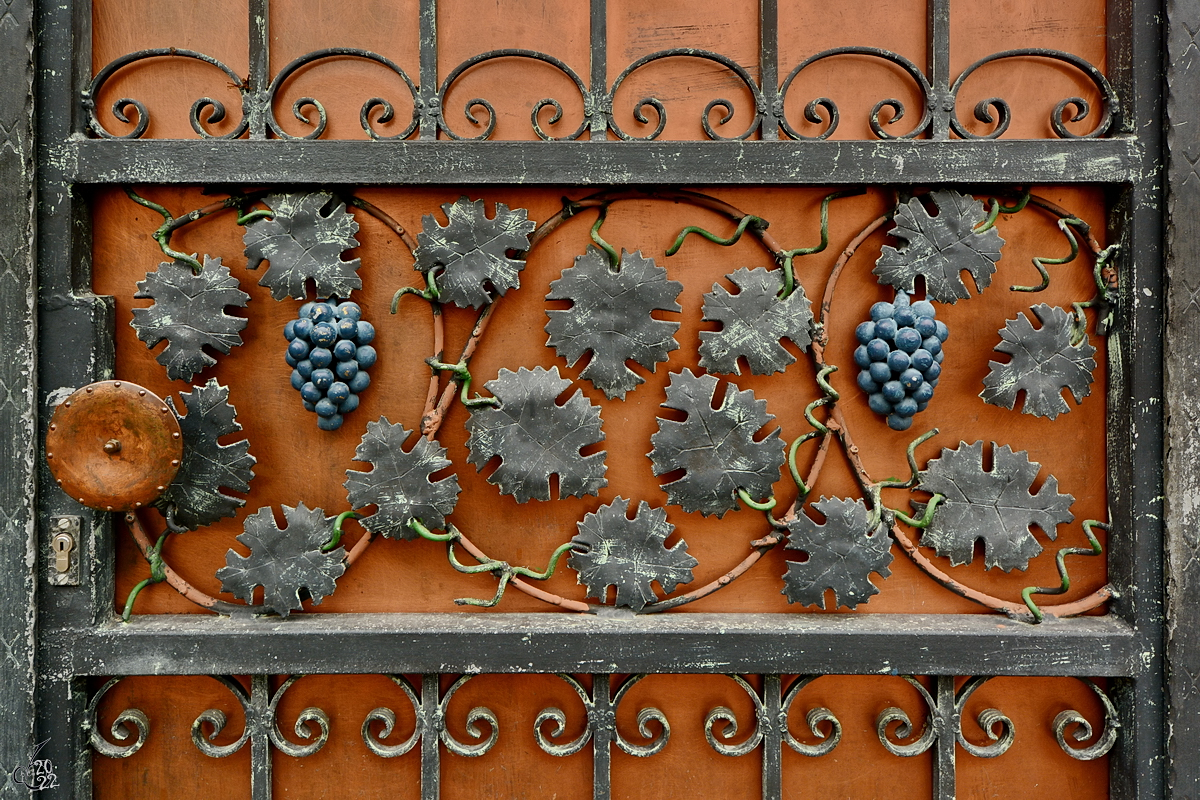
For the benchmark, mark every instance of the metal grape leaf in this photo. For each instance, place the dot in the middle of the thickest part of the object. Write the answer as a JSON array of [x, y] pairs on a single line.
[[304, 239], [715, 448], [535, 437], [613, 550], [189, 313], [399, 485], [993, 506], [1044, 362], [940, 248], [842, 554], [471, 251], [284, 562], [611, 318], [752, 323], [207, 465]]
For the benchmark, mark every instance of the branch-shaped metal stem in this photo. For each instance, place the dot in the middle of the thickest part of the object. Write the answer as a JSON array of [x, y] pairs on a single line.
[[507, 573]]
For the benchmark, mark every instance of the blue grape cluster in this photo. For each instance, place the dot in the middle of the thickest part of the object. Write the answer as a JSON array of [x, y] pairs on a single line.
[[329, 350], [900, 355]]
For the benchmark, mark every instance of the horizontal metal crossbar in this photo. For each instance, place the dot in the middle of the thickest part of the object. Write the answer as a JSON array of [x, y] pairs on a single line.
[[682, 643], [1111, 161]]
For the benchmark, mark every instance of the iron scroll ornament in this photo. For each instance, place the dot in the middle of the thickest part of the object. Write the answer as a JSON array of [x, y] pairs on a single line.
[[428, 103], [443, 393]]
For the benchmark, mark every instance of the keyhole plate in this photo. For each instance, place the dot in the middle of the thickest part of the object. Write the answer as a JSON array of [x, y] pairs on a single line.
[[114, 446]]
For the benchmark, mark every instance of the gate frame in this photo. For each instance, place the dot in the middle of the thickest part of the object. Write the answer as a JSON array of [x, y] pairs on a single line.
[[76, 635]]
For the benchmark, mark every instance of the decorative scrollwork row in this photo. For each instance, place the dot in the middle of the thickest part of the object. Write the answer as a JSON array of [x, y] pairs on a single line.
[[428, 103], [772, 707]]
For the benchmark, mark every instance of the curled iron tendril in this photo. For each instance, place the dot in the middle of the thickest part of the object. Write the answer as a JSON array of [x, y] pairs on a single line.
[[120, 728], [821, 722], [996, 111], [897, 109], [601, 714], [260, 709], [930, 728], [429, 721], [660, 110], [199, 119]]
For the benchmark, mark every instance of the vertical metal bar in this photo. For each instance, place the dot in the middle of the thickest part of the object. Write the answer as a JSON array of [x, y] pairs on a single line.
[[428, 101], [603, 720], [940, 101], [598, 109], [74, 347], [1136, 413], [260, 67], [1182, 386], [944, 779], [768, 65], [430, 725], [773, 723], [260, 743]]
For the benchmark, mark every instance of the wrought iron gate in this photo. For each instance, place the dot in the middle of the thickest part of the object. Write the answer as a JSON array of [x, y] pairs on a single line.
[[278, 171]]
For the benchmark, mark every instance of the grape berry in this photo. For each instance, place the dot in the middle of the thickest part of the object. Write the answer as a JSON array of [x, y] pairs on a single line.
[[900, 357], [329, 351]]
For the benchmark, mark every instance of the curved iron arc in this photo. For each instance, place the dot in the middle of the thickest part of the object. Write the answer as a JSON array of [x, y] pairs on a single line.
[[122, 106], [269, 96], [760, 106], [479, 102], [217, 719], [1108, 735], [1003, 111], [645, 716], [119, 729], [474, 716], [559, 718], [726, 715], [813, 718], [897, 107], [387, 717], [930, 729], [302, 728], [998, 727]]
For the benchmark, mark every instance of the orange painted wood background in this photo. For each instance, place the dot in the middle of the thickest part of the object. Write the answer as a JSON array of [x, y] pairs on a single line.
[[297, 462]]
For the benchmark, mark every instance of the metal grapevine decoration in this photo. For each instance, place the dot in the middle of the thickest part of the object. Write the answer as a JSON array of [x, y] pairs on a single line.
[[900, 356], [304, 239], [329, 350], [842, 554], [284, 562], [1043, 362], [715, 447], [938, 248], [399, 484], [715, 458], [470, 253], [611, 318], [207, 465], [189, 313], [535, 437], [613, 550], [753, 321], [994, 506]]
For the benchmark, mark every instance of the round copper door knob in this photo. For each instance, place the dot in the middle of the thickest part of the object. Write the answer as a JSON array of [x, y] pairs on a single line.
[[114, 446]]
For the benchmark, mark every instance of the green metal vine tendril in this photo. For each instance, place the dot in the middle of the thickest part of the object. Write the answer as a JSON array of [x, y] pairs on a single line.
[[1095, 550]]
